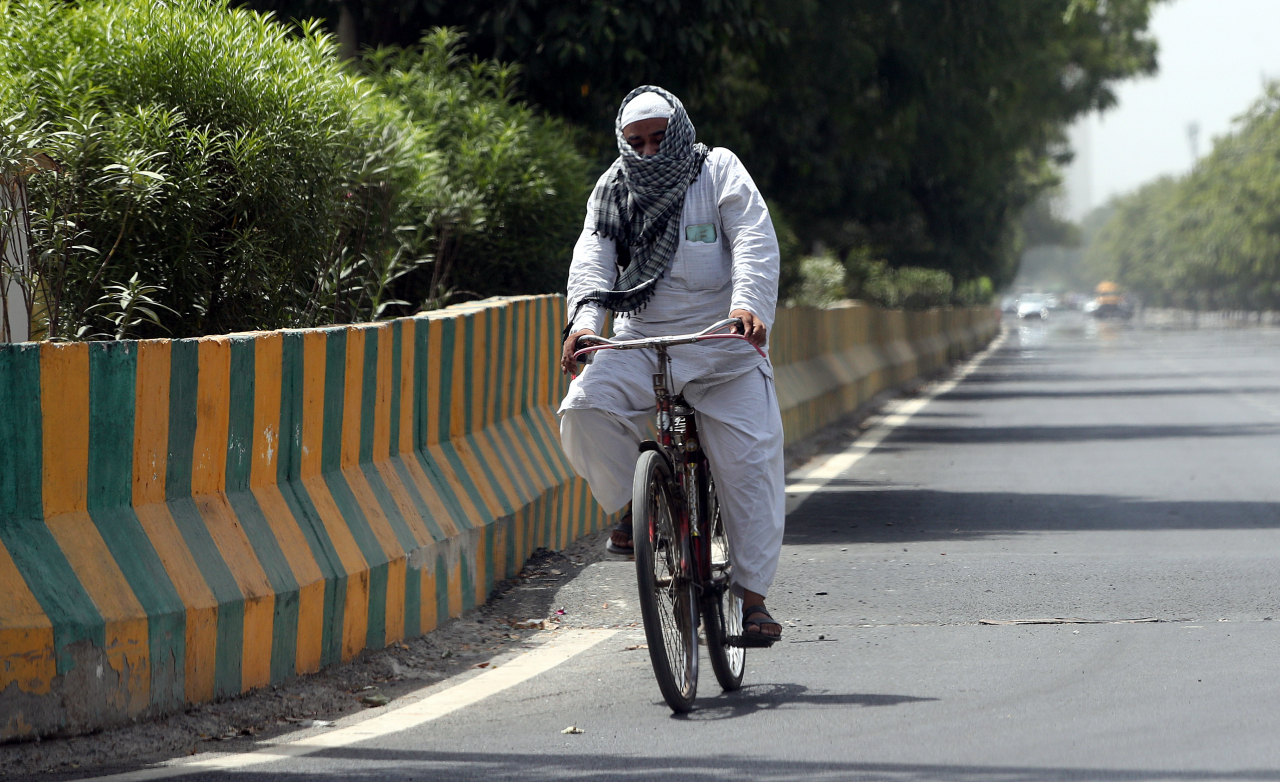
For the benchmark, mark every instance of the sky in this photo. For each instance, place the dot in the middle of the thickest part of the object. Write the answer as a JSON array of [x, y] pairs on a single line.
[[1213, 55]]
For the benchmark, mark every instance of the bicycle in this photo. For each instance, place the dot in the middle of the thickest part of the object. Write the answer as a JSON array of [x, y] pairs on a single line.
[[682, 554]]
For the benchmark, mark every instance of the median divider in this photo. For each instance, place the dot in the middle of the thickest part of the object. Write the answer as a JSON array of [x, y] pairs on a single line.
[[828, 362], [185, 520]]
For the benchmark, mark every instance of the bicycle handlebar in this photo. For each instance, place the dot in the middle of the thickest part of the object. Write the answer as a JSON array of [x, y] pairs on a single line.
[[601, 343]]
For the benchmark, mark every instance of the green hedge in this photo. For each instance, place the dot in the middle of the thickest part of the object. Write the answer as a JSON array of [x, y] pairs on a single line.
[[219, 171]]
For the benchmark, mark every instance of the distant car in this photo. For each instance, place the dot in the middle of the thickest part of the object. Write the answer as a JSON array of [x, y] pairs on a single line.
[[1033, 307]]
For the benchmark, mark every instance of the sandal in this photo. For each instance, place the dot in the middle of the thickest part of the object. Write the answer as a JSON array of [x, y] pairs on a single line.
[[623, 525], [756, 638]]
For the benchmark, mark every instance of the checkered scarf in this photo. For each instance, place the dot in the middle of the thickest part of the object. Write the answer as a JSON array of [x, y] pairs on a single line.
[[638, 205]]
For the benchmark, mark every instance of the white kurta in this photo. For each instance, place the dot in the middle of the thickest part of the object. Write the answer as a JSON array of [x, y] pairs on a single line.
[[727, 259]]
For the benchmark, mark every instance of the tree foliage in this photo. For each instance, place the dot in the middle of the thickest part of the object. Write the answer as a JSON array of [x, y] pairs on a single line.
[[920, 130], [1209, 239]]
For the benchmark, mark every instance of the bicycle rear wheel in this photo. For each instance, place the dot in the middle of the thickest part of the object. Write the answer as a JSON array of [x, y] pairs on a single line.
[[668, 600], [721, 608]]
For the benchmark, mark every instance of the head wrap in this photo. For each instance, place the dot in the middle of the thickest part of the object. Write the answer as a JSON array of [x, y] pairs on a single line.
[[646, 105], [639, 200]]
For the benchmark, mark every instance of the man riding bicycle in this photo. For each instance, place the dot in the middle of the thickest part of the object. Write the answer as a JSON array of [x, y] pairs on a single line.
[[677, 236]]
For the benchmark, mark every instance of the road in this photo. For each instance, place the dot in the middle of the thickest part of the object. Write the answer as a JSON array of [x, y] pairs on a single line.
[[1107, 474]]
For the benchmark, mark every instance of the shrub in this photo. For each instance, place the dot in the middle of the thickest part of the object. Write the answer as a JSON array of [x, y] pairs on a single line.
[[503, 215], [230, 164], [821, 282], [908, 287]]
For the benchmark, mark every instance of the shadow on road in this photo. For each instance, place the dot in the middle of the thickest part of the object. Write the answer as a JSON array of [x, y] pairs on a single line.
[[986, 396], [769, 697], [986, 435], [867, 514], [646, 763]]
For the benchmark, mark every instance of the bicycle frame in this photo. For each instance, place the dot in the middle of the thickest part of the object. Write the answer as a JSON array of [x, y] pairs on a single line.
[[677, 435]]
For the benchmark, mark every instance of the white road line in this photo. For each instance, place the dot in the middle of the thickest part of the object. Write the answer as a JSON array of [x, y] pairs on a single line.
[[814, 476], [562, 647]]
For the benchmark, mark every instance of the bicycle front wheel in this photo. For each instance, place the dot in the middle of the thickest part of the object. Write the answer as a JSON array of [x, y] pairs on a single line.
[[668, 601]]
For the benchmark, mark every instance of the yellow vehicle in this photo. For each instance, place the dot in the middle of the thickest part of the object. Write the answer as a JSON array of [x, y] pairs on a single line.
[[1109, 302]]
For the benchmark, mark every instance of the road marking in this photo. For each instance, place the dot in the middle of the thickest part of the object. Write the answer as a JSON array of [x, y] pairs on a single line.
[[814, 476], [561, 648]]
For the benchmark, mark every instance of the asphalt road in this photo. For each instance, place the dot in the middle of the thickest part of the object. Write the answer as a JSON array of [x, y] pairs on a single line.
[[1107, 474]]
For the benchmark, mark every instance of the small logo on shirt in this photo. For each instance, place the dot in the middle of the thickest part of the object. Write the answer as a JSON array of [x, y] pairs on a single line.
[[705, 232]]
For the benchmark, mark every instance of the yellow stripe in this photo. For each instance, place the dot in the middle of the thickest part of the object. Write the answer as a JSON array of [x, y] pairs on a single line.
[[354, 386], [64, 399], [382, 411], [27, 656], [407, 348], [151, 422]]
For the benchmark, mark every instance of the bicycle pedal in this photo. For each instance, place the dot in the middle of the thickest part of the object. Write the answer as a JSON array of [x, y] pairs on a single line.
[[742, 642]]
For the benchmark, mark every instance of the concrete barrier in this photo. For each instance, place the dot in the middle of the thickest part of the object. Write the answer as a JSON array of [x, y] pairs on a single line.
[[828, 362], [185, 520]]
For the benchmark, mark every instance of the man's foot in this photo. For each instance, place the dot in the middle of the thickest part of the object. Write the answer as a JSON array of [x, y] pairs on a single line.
[[620, 542], [758, 628]]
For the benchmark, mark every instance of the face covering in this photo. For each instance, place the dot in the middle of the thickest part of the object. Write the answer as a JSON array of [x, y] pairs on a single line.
[[639, 201]]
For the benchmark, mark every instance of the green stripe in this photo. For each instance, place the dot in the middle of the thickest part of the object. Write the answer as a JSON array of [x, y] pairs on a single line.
[[226, 667], [406, 480], [412, 602], [112, 398], [184, 374], [375, 636], [369, 394], [490, 323], [527, 363], [490, 533], [508, 506], [464, 477], [505, 465], [421, 354], [374, 557], [436, 476], [537, 467], [292, 388], [442, 590], [518, 451], [389, 507], [335, 381], [448, 330], [284, 634], [468, 371], [33, 548], [397, 375], [240, 414]]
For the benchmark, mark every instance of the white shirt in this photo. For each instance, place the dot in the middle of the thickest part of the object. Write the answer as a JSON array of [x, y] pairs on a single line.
[[733, 266]]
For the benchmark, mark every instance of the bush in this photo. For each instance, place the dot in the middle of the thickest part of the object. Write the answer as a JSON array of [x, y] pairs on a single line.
[[503, 215], [231, 165], [909, 287], [217, 171], [821, 282]]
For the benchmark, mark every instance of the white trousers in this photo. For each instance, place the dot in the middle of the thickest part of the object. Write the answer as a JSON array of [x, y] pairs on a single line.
[[741, 430]]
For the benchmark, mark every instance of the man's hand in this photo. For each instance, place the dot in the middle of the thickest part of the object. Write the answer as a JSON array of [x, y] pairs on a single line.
[[752, 327], [567, 365]]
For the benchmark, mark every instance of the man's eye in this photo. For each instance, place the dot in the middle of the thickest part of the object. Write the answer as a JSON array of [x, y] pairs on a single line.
[[635, 143]]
